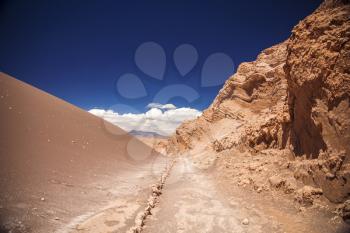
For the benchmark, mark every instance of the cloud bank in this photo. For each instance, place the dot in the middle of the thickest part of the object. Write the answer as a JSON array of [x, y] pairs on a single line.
[[160, 119]]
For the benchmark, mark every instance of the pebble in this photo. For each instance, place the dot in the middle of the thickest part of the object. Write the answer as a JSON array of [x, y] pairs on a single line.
[[330, 175], [42, 199], [245, 221]]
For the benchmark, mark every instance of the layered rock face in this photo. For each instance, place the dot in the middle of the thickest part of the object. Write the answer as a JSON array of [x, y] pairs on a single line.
[[293, 98], [246, 110]]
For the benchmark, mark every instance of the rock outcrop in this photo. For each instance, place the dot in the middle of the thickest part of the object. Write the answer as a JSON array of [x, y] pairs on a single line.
[[293, 98], [247, 109], [318, 74]]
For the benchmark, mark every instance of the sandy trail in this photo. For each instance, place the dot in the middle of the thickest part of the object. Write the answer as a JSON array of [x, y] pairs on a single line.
[[191, 203], [194, 201]]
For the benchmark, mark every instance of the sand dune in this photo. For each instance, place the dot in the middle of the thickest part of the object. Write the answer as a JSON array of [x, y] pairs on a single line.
[[58, 161]]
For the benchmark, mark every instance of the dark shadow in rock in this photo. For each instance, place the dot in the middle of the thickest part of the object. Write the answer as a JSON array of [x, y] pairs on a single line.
[[306, 136], [3, 229]]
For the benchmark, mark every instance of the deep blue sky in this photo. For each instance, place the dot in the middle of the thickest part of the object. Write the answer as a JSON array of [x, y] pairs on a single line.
[[76, 50]]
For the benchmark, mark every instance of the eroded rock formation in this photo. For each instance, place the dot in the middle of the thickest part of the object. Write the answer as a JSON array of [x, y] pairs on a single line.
[[318, 74], [293, 98]]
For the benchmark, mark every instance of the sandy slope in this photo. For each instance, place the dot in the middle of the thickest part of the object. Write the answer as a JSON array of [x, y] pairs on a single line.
[[58, 162]]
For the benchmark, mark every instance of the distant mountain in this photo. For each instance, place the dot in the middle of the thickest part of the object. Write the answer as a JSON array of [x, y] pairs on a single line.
[[146, 134]]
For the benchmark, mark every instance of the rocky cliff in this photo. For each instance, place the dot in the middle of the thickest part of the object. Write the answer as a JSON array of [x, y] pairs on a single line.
[[294, 99]]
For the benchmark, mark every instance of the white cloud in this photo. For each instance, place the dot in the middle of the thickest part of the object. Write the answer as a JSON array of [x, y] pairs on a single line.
[[162, 119], [161, 106]]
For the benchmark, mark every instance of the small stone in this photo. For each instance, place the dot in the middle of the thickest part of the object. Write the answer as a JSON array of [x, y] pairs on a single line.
[[56, 218], [148, 209], [10, 108], [42, 199], [330, 175], [233, 203], [48, 140], [245, 221], [276, 181], [307, 194]]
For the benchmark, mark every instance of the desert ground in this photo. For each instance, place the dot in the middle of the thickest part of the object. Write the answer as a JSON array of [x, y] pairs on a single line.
[[270, 154], [51, 181], [60, 164]]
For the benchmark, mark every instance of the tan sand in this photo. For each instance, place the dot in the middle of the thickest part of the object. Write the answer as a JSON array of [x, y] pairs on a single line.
[[58, 162]]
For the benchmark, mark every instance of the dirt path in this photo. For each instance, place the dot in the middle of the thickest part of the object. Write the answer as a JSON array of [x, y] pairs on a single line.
[[191, 203], [190, 200]]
